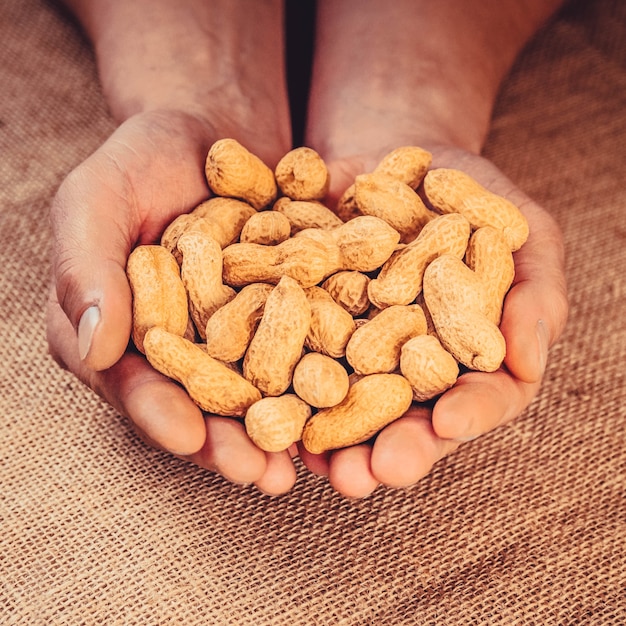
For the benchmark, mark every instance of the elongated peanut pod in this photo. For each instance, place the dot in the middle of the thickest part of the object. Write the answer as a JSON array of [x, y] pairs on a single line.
[[454, 191], [228, 214], [371, 403], [213, 386], [277, 344], [159, 296], [234, 172], [408, 164], [306, 214], [456, 299], [274, 423], [400, 279], [267, 228]]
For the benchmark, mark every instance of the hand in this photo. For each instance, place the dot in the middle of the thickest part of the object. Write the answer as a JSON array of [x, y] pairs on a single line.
[[148, 172], [535, 311]]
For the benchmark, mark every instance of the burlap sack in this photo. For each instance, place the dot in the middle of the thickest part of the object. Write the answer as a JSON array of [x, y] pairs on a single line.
[[523, 526]]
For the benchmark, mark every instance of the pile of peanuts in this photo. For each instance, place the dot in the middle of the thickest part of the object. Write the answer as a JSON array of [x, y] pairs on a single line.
[[324, 326]]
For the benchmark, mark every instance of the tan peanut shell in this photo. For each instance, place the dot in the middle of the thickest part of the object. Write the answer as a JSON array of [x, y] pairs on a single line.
[[392, 200], [302, 175], [320, 380], [267, 228], [278, 342], [490, 257], [407, 164], [307, 214], [371, 403], [400, 279], [375, 346], [457, 301], [231, 328], [331, 325], [304, 260], [201, 272], [348, 288], [188, 222], [229, 214], [233, 171], [429, 368], [213, 386], [454, 191], [274, 423], [159, 296]]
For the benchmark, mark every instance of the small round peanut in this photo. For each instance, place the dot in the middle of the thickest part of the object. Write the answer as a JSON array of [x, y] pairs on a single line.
[[267, 228], [348, 288], [320, 380], [302, 175]]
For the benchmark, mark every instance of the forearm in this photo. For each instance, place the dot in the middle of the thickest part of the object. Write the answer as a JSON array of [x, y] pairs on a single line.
[[413, 70], [220, 59]]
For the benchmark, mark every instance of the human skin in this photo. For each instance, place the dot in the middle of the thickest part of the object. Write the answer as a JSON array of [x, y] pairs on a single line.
[[186, 76]]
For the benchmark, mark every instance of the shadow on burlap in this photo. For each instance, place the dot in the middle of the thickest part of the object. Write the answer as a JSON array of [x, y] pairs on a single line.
[[523, 526]]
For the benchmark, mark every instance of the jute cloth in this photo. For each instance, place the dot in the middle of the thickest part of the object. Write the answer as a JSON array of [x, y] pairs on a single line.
[[524, 526]]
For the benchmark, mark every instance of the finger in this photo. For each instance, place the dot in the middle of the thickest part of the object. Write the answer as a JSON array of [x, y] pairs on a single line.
[[478, 403], [279, 476], [229, 451], [350, 473], [535, 309], [406, 450], [160, 410], [318, 464]]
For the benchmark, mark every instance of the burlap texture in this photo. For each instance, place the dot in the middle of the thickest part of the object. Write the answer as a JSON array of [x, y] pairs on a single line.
[[524, 526]]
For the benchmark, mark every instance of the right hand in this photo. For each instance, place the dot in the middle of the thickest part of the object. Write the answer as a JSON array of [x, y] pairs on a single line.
[[148, 172]]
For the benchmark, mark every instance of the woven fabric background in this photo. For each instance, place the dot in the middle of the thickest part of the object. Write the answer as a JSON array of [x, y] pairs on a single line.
[[524, 526]]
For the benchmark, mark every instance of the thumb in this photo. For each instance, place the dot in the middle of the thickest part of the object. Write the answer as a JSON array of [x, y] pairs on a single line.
[[92, 234]]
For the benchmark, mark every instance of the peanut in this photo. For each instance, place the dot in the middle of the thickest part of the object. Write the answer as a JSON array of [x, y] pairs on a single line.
[[371, 403], [320, 380], [331, 325], [400, 279], [453, 191], [267, 228], [375, 346], [228, 214], [274, 423], [457, 301], [201, 272], [233, 171], [302, 175], [188, 222], [393, 201], [306, 214], [278, 342], [213, 386], [231, 328], [407, 164], [348, 288], [429, 368], [159, 296]]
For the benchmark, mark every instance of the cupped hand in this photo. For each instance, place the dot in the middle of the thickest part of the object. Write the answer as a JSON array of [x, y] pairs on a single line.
[[535, 312], [148, 172]]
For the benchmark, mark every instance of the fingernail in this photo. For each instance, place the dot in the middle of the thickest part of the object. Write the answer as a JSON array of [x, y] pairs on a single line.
[[543, 344], [86, 328]]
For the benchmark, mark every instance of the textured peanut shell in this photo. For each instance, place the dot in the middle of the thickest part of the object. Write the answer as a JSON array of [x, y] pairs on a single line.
[[407, 164], [304, 260], [213, 386], [371, 403], [274, 423], [307, 214], [277, 344], [392, 200], [228, 214], [400, 279], [159, 296], [348, 288], [347, 208], [375, 346], [331, 325], [429, 368], [457, 301], [267, 228], [320, 380], [454, 191], [234, 172], [302, 175], [490, 257], [201, 272], [231, 328], [189, 222]]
